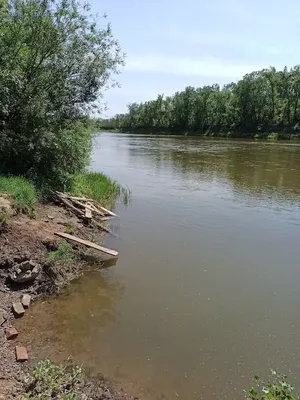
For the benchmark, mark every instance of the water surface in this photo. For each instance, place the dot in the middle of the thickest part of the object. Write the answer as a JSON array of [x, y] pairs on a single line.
[[206, 292]]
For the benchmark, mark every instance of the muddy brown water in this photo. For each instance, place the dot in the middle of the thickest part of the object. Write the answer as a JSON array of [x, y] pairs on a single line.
[[206, 292]]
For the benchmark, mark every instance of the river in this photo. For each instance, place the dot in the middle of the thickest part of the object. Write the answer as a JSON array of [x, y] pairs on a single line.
[[206, 292]]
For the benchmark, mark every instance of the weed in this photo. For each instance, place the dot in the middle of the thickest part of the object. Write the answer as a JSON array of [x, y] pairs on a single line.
[[70, 228], [273, 136], [64, 253], [277, 388], [53, 381], [21, 191]]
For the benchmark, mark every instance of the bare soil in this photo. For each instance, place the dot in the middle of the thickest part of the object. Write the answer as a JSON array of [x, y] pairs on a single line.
[[21, 239]]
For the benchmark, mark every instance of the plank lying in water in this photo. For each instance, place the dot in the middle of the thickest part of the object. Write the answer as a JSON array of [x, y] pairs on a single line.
[[87, 243], [108, 212]]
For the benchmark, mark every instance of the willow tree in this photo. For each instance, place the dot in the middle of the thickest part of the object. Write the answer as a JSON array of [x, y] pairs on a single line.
[[55, 62]]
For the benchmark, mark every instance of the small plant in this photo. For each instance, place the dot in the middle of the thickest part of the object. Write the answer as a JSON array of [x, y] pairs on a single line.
[[277, 388], [273, 136], [53, 381], [64, 253], [70, 228]]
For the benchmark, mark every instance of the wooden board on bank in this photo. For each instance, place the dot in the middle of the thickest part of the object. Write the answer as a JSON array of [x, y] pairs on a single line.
[[87, 243]]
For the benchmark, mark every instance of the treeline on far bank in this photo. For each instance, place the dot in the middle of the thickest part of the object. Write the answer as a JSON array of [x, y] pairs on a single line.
[[263, 104]]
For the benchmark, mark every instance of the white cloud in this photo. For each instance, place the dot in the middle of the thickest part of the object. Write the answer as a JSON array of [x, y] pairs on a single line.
[[188, 66]]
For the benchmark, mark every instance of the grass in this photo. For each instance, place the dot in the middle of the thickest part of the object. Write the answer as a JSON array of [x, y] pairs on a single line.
[[21, 191], [64, 253], [96, 186]]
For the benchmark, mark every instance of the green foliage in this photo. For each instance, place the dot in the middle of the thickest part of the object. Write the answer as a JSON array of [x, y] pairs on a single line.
[[96, 186], [277, 388], [22, 192], [55, 62], [65, 153], [263, 101], [64, 253], [273, 136], [70, 228], [51, 381]]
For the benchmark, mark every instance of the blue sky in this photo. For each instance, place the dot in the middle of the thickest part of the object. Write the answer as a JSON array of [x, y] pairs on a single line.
[[171, 44]]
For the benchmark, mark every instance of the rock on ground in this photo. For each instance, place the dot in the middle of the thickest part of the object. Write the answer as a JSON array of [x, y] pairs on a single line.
[[18, 309], [26, 299]]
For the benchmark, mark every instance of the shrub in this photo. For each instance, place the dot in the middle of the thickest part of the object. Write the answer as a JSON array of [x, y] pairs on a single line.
[[63, 154]]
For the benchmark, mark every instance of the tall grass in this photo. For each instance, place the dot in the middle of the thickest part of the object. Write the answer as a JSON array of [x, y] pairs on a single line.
[[96, 186], [21, 191]]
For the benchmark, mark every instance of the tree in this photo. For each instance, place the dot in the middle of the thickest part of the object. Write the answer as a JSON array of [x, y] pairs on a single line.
[[54, 64], [262, 101]]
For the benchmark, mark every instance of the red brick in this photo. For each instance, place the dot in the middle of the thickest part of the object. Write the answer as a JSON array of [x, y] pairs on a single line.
[[21, 353], [11, 333]]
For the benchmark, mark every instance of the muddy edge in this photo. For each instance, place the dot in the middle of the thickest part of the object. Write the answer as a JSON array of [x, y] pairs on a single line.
[[25, 244]]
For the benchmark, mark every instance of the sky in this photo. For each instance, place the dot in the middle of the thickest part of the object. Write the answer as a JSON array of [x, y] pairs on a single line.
[[171, 44]]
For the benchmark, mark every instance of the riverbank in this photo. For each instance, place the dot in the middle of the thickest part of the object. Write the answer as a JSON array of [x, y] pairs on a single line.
[[222, 135], [36, 262]]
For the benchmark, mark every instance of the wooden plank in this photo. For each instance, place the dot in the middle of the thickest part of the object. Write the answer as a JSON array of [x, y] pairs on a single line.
[[104, 228], [95, 209], [88, 213], [70, 205], [87, 243], [89, 206], [68, 196], [108, 212], [107, 218]]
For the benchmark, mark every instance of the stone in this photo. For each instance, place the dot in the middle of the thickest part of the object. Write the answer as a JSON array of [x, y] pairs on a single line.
[[18, 309], [21, 354], [25, 272], [25, 265], [26, 299], [11, 333]]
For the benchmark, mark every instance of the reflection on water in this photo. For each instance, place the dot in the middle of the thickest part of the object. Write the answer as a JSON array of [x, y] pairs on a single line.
[[205, 293], [256, 168]]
